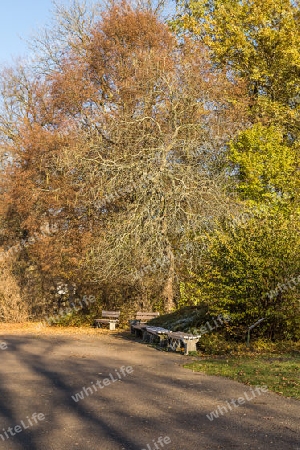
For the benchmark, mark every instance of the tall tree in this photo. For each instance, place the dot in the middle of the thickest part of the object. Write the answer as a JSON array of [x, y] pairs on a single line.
[[122, 149], [261, 43], [155, 136]]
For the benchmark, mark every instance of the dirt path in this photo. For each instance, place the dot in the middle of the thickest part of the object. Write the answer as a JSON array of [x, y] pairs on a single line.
[[151, 397]]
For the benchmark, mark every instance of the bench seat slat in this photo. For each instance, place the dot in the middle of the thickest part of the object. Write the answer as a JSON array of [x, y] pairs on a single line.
[[146, 315], [110, 313], [157, 330], [108, 317], [182, 335], [106, 320]]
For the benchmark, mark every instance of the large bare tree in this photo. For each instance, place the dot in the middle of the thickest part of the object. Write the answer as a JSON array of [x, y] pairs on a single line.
[[120, 140], [152, 139]]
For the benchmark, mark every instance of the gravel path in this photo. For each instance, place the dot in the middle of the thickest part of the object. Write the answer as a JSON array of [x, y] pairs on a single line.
[[136, 395]]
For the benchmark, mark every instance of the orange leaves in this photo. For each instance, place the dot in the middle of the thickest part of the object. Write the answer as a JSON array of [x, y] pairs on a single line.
[[128, 118], [127, 48], [71, 89]]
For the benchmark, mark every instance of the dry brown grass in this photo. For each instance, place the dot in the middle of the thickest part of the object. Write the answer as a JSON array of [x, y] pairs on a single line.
[[39, 328]]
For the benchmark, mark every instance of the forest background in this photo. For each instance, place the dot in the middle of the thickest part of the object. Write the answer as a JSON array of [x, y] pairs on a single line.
[[152, 162]]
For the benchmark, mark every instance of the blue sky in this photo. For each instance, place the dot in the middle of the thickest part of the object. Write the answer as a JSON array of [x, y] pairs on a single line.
[[19, 19]]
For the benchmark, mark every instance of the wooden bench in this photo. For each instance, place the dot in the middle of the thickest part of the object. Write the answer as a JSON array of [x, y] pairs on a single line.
[[179, 339], [173, 340], [145, 316], [137, 326], [156, 333], [110, 318]]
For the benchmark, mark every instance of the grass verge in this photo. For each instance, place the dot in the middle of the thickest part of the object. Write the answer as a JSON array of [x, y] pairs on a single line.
[[281, 373]]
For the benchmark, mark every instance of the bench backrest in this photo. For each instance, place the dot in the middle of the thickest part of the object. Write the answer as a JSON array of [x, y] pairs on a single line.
[[145, 316], [111, 314]]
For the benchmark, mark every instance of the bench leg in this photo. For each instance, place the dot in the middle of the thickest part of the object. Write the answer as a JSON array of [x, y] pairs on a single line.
[[112, 326], [163, 341], [190, 345], [138, 333]]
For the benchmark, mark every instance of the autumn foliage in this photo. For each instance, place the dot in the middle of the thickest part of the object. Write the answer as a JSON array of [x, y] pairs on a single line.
[[124, 144]]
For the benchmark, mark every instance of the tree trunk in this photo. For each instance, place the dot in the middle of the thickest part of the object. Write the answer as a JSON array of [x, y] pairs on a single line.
[[168, 291]]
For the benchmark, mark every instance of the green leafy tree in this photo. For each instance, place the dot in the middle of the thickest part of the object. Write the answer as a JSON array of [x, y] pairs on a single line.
[[249, 275], [266, 168], [258, 40]]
